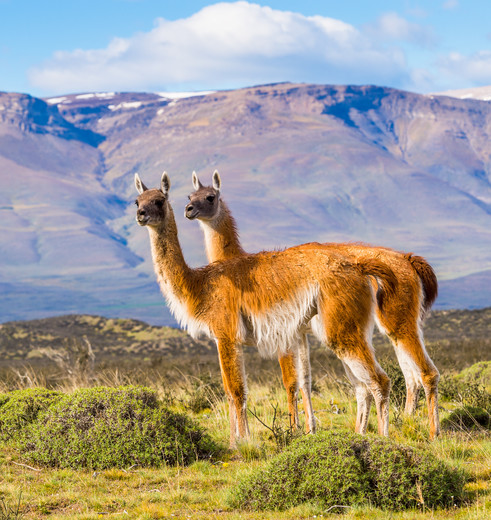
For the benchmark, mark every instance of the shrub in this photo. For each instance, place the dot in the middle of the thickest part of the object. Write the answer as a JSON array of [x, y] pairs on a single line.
[[471, 387], [22, 407], [466, 388], [202, 393], [467, 418], [113, 427], [479, 372], [448, 388], [345, 468], [397, 382]]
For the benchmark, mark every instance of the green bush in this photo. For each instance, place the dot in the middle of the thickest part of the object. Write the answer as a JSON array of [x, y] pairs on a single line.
[[397, 382], [467, 418], [112, 427], [471, 387], [468, 387], [345, 468], [22, 407], [479, 373]]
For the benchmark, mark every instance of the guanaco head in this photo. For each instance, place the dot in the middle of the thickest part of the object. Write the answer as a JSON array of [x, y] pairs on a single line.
[[204, 202], [151, 204]]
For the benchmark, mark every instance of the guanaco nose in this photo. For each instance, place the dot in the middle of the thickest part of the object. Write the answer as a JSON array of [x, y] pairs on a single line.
[[141, 212], [189, 208]]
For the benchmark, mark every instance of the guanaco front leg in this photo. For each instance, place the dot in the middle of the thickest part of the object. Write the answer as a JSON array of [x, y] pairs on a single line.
[[290, 382], [233, 375]]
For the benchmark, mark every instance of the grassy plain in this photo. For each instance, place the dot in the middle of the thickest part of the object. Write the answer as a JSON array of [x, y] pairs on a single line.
[[192, 385]]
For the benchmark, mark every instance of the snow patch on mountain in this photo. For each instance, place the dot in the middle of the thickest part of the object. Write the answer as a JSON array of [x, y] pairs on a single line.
[[126, 104], [182, 95], [480, 93]]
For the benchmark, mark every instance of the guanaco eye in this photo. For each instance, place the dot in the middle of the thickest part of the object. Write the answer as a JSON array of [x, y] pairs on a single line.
[[136, 202], [159, 203], [210, 198]]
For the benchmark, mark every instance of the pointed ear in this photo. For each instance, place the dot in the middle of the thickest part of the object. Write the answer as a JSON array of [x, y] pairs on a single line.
[[140, 187], [196, 183], [217, 182], [165, 184]]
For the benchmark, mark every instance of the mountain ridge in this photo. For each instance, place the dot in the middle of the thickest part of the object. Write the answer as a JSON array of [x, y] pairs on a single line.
[[454, 338], [309, 162]]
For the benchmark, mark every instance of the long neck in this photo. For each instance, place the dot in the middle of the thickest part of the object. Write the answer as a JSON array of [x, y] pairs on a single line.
[[221, 236], [176, 279]]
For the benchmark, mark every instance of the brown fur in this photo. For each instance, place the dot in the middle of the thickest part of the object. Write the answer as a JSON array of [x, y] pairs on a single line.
[[223, 243], [266, 298], [401, 306]]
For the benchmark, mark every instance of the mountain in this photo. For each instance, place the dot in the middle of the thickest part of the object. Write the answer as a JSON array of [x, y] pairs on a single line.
[[298, 163]]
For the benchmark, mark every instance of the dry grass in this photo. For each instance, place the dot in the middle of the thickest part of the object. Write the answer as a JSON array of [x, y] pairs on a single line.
[[198, 491]]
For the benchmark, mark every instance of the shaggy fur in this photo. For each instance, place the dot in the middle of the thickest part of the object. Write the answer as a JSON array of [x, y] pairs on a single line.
[[399, 314], [231, 298]]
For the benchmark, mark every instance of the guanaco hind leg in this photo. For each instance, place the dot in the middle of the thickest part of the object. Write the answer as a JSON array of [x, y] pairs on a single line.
[[371, 378], [363, 400], [350, 339], [401, 321], [419, 371]]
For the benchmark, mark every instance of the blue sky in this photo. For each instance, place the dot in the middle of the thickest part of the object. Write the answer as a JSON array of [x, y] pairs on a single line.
[[53, 47]]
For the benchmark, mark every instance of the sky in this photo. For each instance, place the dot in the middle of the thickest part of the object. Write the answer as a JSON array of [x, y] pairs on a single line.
[[55, 47]]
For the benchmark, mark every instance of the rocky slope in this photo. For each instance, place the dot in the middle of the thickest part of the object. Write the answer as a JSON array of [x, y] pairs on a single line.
[[298, 163]]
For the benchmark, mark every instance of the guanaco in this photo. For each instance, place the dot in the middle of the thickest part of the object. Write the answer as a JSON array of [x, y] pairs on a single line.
[[267, 299], [400, 315]]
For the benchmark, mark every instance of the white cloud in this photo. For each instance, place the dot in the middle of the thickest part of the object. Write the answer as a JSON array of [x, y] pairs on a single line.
[[450, 4], [228, 45], [392, 27], [472, 70]]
